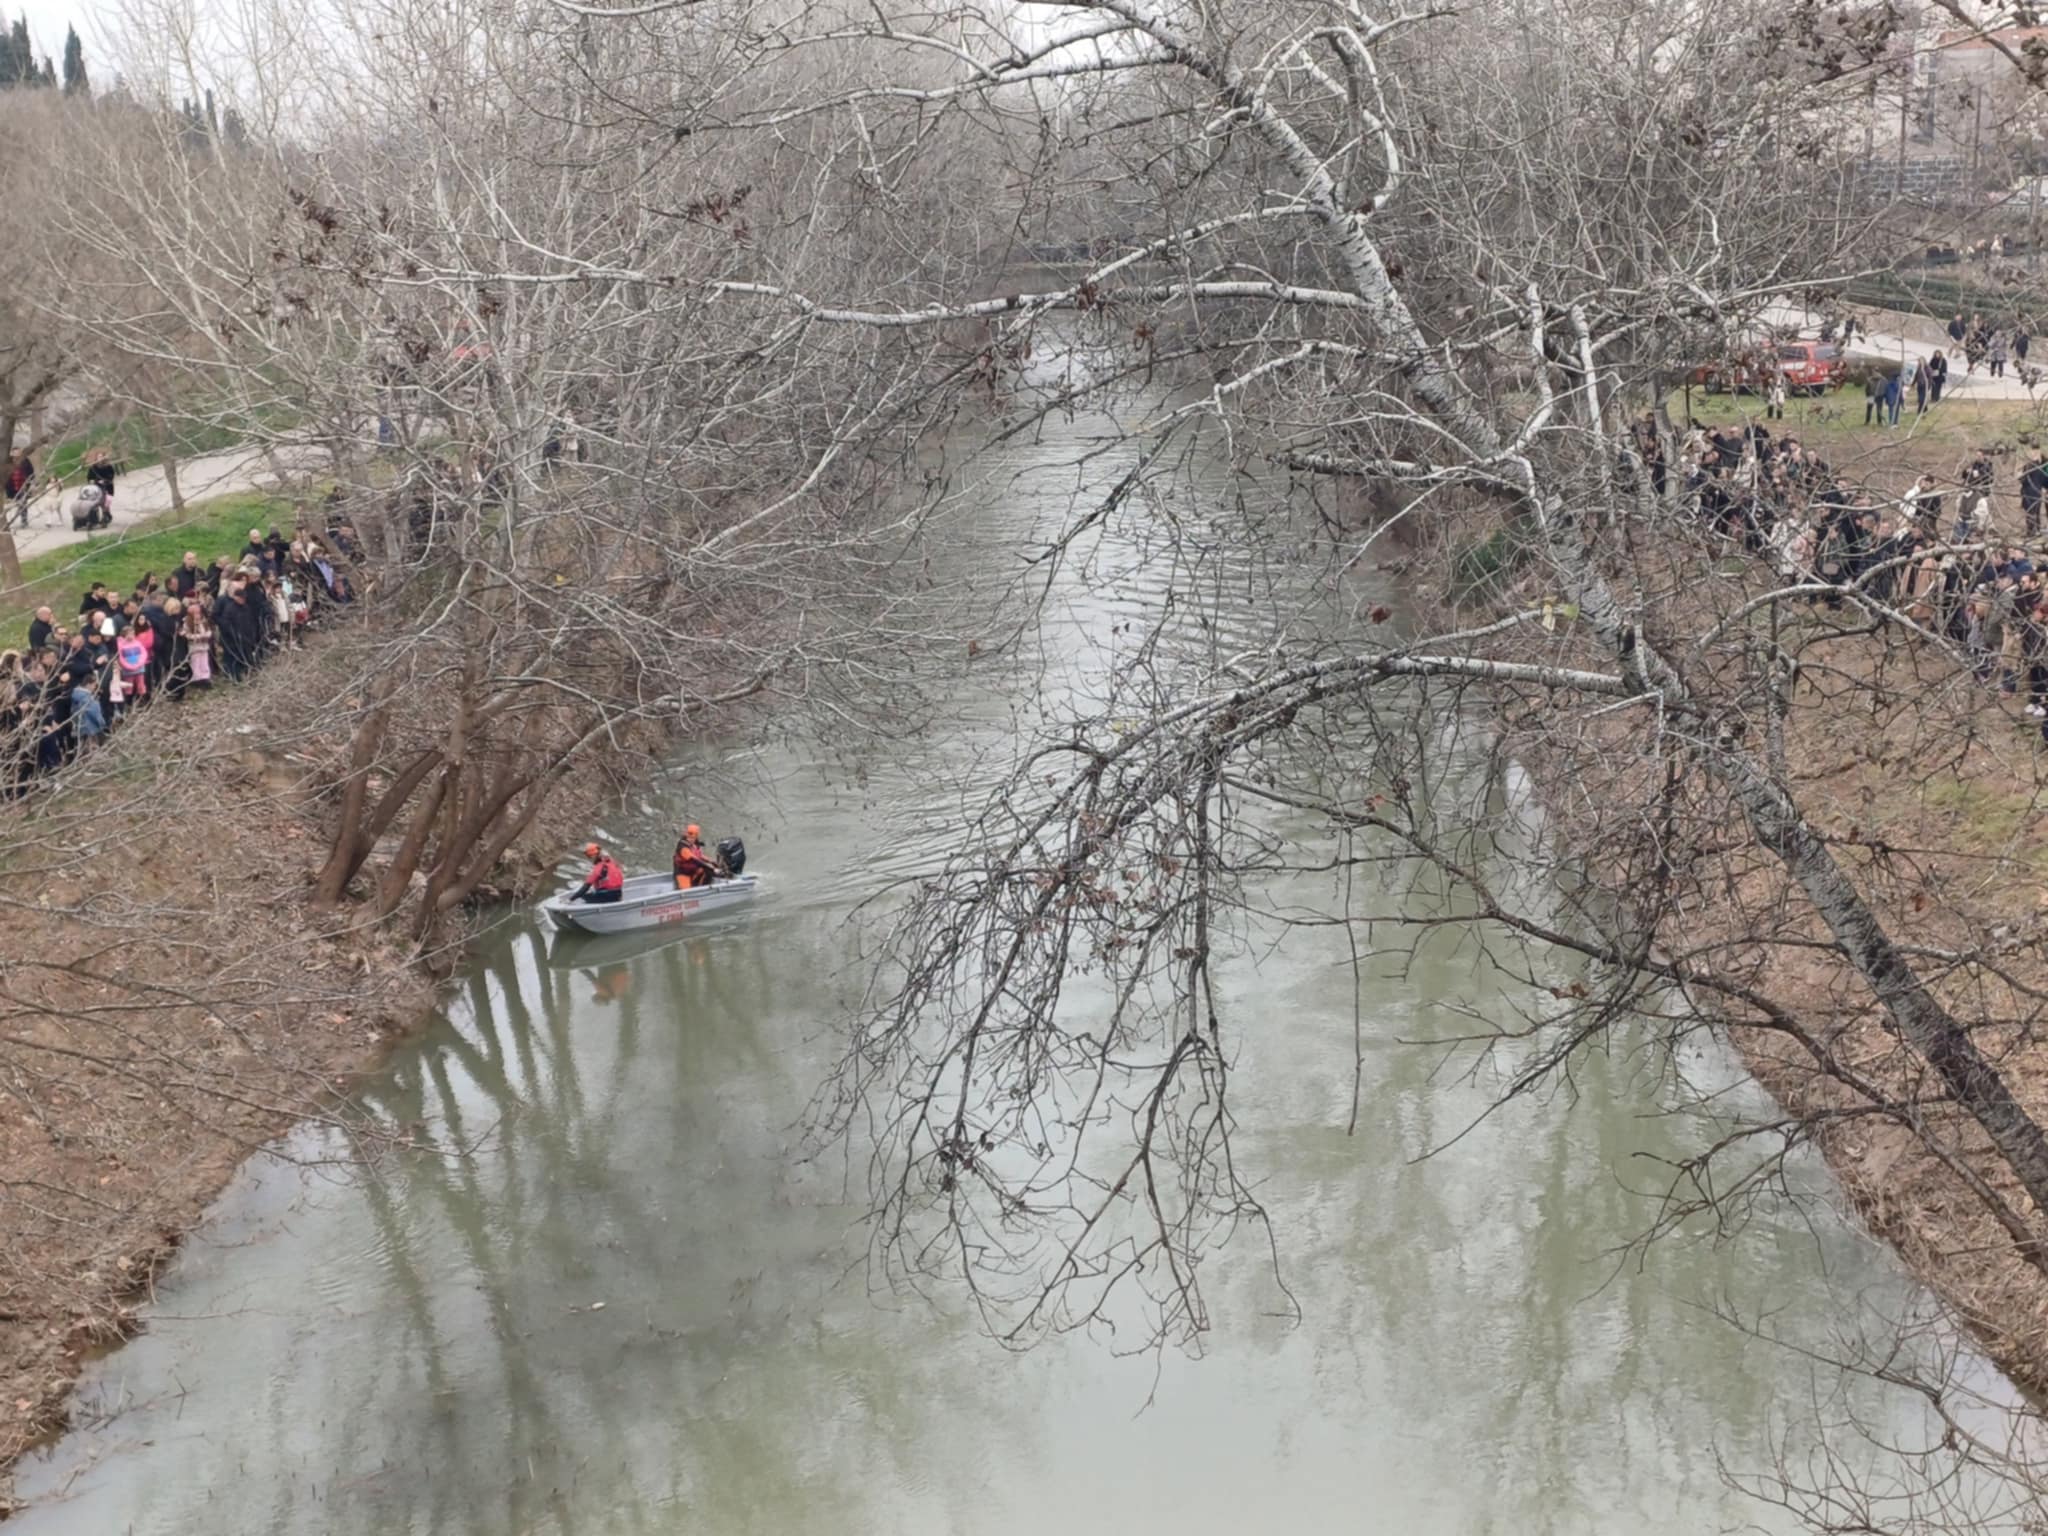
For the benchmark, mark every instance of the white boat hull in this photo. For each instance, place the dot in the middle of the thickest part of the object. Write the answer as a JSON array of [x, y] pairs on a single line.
[[647, 902]]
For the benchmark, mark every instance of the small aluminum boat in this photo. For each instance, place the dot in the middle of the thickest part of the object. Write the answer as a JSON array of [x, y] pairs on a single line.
[[648, 901]]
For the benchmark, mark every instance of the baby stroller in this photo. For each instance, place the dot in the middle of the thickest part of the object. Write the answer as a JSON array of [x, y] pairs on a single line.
[[89, 509]]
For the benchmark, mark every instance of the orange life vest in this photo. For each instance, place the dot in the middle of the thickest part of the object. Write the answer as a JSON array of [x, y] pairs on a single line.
[[606, 875], [693, 867]]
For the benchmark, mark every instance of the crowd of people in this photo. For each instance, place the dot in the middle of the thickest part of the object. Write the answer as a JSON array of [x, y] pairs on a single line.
[[1943, 554], [1884, 394], [172, 634], [1992, 346]]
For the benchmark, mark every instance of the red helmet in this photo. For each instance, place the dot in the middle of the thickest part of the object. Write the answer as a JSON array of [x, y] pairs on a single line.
[[591, 850], [691, 831]]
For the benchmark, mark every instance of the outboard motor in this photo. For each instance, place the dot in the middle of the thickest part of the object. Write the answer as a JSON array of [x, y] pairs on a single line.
[[734, 853]]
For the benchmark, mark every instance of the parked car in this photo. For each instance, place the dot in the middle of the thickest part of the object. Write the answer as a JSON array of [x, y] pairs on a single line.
[[1810, 368]]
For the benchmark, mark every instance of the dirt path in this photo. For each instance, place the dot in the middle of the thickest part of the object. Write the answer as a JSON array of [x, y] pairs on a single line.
[[146, 493]]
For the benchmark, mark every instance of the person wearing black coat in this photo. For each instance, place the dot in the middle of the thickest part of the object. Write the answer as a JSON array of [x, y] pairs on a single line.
[[240, 622], [266, 619], [2033, 491], [185, 578], [54, 743], [234, 631], [101, 472], [1890, 563], [164, 631], [76, 667]]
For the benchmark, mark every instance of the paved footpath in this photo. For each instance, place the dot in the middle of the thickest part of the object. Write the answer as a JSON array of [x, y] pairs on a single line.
[[1892, 347], [146, 493]]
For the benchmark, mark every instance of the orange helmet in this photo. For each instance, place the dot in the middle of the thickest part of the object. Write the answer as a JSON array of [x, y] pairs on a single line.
[[591, 850], [691, 830]]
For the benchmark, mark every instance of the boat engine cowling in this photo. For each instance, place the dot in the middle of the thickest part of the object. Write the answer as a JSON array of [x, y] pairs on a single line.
[[734, 853]]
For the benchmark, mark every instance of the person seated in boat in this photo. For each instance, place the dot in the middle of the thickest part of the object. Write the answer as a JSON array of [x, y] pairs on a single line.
[[605, 882], [694, 867]]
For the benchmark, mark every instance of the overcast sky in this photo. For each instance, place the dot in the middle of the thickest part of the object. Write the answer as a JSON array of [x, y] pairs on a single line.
[[47, 20]]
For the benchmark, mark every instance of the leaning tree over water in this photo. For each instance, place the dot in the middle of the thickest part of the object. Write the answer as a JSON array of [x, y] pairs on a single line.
[[756, 254], [1451, 256]]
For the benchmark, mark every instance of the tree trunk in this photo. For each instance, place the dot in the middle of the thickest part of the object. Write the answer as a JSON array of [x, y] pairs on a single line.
[[10, 556], [465, 863], [350, 842], [1772, 815], [160, 441], [398, 877], [441, 815], [1925, 1024], [467, 821], [393, 800], [277, 467]]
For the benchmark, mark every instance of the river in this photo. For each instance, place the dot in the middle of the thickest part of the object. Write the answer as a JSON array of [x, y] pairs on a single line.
[[609, 1293]]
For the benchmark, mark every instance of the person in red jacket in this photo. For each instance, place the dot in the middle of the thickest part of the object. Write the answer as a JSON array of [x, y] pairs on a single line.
[[605, 882]]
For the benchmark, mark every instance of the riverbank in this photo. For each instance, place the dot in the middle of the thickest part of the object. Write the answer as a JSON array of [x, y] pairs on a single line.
[[173, 1002], [1953, 864], [1953, 855], [1927, 785]]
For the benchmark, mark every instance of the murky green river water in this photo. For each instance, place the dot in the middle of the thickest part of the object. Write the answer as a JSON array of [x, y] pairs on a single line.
[[616, 1298]]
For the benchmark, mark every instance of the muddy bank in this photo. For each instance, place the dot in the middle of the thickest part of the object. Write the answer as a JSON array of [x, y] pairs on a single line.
[[172, 1002], [1951, 856]]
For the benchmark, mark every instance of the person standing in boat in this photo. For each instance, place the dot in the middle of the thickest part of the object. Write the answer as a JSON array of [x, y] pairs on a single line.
[[693, 866], [605, 882]]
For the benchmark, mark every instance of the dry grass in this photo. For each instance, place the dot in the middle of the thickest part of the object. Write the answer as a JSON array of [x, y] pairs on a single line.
[[1931, 788], [1886, 458], [170, 1006]]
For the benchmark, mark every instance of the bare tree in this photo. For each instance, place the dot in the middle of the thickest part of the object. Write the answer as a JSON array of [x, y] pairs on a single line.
[[754, 259], [1455, 258], [595, 515], [37, 354], [395, 300]]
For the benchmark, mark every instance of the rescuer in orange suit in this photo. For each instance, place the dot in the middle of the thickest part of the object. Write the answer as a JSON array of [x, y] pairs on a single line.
[[605, 882], [694, 867]]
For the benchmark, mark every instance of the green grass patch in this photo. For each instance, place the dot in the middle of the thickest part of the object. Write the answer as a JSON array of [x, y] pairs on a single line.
[[1476, 569], [1886, 457], [130, 444], [1990, 820], [120, 557]]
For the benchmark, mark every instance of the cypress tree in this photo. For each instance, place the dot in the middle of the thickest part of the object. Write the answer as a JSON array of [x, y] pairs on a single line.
[[192, 128], [75, 83], [18, 56]]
